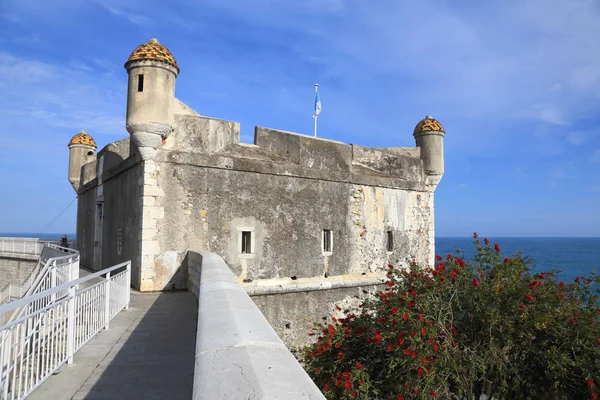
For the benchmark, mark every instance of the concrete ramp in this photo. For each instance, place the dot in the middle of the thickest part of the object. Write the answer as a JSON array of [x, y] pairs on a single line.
[[148, 353]]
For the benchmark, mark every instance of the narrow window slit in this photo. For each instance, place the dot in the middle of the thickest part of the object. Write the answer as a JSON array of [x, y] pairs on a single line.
[[326, 240], [140, 83], [390, 241], [246, 242]]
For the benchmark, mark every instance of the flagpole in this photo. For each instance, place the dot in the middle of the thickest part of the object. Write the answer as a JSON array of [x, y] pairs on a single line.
[[316, 116]]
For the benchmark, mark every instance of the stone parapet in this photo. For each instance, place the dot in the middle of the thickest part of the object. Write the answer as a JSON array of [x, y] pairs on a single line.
[[238, 354]]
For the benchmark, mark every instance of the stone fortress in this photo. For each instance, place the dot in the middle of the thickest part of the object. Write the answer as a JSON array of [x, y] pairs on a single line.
[[304, 223]]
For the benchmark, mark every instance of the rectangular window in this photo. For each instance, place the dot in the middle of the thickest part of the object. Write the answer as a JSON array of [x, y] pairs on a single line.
[[246, 242], [390, 241], [140, 83], [327, 241]]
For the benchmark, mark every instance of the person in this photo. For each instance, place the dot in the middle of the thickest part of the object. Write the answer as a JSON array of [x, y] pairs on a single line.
[[64, 242]]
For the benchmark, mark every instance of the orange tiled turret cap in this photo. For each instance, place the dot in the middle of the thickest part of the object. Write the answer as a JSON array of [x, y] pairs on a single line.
[[428, 124], [152, 50], [83, 138]]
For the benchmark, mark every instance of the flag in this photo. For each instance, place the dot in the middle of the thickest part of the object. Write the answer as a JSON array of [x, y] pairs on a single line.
[[317, 104]]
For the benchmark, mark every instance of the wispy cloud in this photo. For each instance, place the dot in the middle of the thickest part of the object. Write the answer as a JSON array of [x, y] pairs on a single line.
[[596, 156], [134, 18]]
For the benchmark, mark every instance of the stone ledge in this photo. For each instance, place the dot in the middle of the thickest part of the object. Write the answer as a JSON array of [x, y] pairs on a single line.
[[238, 354]]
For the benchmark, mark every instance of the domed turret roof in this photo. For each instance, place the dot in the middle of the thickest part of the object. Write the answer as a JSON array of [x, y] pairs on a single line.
[[83, 138], [152, 50], [428, 124]]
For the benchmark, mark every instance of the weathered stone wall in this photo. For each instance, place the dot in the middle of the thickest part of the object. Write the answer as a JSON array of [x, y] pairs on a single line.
[[121, 212], [15, 268], [115, 236], [86, 211]]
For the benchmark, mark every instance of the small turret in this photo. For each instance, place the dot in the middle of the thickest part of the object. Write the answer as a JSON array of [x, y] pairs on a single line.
[[82, 149], [429, 135], [152, 71]]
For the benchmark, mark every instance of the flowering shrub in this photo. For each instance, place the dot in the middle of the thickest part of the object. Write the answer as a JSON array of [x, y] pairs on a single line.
[[461, 330]]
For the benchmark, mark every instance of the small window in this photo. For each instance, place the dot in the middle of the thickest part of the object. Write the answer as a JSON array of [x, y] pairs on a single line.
[[246, 242], [140, 83], [327, 241], [390, 241], [90, 153]]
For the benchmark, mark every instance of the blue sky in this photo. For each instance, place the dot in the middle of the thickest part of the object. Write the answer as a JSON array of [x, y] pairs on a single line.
[[516, 84]]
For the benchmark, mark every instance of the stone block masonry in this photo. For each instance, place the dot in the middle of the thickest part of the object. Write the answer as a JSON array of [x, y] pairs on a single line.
[[15, 268]]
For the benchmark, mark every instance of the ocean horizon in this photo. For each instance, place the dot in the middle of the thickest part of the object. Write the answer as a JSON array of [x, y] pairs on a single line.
[[573, 256]]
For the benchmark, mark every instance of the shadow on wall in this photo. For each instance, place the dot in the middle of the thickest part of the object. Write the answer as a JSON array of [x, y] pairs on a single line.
[[154, 358]]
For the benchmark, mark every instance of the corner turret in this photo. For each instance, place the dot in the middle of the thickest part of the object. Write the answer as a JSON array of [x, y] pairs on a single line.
[[429, 135], [82, 149], [152, 71]]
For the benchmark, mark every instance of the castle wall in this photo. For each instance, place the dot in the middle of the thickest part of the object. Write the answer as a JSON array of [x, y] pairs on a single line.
[[86, 206]]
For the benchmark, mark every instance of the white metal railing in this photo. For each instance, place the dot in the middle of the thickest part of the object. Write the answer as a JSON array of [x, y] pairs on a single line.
[[50, 272], [21, 245], [40, 341]]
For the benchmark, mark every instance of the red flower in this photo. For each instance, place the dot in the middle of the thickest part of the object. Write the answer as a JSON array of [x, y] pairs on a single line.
[[423, 331], [406, 352], [522, 306], [318, 370], [399, 397], [434, 394], [529, 297], [413, 293], [590, 383], [400, 341], [438, 257], [420, 317], [390, 266], [486, 240], [497, 248], [348, 385], [420, 372], [390, 283], [390, 348], [577, 279], [452, 274], [561, 284], [359, 365], [598, 340], [413, 333], [475, 235], [476, 282], [394, 310], [327, 388], [436, 347], [506, 260], [594, 396], [405, 316]]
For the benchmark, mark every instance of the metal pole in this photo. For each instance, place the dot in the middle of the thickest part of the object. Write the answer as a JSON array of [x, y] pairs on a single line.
[[128, 286], [71, 325], [316, 116], [107, 302]]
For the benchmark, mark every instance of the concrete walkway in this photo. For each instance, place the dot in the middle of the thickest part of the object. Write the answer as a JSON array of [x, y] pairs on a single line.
[[148, 353]]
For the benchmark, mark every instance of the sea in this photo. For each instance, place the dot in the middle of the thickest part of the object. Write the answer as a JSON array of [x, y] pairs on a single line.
[[571, 256]]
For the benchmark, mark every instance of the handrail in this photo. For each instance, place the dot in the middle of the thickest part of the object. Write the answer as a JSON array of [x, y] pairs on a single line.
[[41, 341], [48, 275], [26, 300]]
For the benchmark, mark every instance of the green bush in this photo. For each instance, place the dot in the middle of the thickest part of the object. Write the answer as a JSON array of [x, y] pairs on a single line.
[[490, 327]]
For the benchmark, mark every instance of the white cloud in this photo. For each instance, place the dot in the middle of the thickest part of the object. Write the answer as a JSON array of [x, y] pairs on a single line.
[[134, 18]]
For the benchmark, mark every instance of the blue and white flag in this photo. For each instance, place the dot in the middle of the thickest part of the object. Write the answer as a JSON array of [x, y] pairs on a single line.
[[317, 104]]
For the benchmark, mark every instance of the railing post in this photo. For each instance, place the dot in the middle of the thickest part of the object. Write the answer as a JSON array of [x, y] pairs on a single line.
[[128, 286], [107, 302], [6, 344], [71, 325], [53, 279]]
